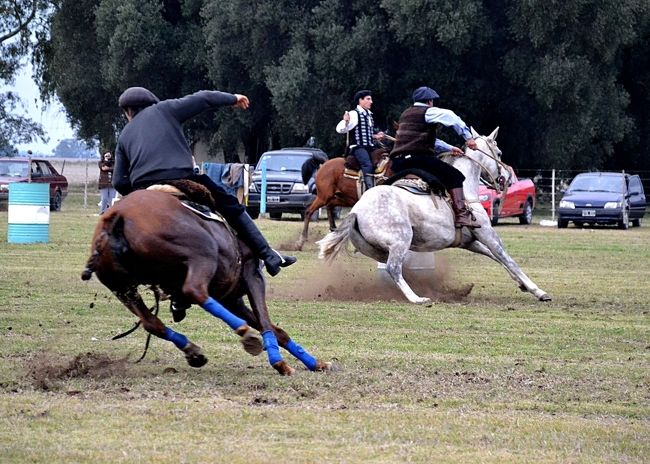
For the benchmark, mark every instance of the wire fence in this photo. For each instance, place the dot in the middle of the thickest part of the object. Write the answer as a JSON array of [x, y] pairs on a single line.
[[550, 184]]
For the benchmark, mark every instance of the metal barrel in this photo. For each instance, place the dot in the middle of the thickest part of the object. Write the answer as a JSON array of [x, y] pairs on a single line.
[[28, 213]]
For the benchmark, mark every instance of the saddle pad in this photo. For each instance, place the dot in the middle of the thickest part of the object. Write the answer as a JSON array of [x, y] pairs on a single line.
[[415, 186], [203, 211]]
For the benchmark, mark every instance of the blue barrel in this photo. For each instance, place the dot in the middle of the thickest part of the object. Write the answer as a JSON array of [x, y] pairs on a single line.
[[28, 213]]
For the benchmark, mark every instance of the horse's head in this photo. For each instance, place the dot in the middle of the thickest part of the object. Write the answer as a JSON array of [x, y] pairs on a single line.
[[488, 155]]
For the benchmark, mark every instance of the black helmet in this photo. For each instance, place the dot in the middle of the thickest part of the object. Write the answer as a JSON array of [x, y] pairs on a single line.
[[361, 94], [138, 97], [424, 94]]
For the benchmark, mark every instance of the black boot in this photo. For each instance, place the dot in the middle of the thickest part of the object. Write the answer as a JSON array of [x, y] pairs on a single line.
[[252, 236], [463, 215], [369, 180]]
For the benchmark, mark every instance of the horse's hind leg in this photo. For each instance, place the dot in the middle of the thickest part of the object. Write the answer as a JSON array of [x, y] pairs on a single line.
[[394, 264], [152, 324], [317, 203], [284, 340], [330, 216]]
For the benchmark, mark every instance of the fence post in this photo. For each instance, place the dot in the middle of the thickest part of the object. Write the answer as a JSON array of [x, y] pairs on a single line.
[[263, 189], [553, 194]]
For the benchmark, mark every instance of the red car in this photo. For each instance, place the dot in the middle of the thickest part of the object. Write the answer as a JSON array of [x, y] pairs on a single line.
[[34, 170], [519, 200]]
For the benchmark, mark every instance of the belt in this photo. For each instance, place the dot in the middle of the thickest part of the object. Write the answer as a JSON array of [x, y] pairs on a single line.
[[400, 156]]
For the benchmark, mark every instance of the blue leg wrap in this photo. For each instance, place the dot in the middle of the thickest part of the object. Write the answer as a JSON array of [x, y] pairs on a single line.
[[217, 310], [176, 338], [271, 347], [300, 353]]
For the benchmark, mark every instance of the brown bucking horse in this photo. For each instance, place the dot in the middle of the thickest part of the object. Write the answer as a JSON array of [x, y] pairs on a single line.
[[152, 238], [339, 182]]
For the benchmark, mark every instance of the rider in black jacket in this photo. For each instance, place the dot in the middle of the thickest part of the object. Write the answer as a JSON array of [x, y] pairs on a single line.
[[152, 148]]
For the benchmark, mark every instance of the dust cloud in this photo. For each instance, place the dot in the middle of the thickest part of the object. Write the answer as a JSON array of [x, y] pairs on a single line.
[[361, 280]]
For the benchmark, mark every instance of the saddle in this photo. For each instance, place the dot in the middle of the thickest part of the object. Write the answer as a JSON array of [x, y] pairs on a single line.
[[193, 196], [380, 161], [418, 182]]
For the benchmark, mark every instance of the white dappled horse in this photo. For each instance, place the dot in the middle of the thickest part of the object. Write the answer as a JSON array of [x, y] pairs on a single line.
[[388, 221]]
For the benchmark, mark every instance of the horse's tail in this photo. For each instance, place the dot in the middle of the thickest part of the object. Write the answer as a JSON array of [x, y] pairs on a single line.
[[108, 234], [332, 244]]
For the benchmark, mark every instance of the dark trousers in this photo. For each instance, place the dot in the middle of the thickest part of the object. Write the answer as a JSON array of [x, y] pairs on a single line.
[[363, 157], [226, 204], [447, 174]]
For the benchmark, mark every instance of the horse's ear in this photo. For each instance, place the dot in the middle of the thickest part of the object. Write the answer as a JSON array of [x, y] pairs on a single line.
[[474, 133], [494, 133]]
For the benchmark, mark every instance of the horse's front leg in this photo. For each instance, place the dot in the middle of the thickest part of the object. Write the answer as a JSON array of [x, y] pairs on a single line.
[[257, 296], [152, 324], [313, 364], [317, 203], [487, 237]]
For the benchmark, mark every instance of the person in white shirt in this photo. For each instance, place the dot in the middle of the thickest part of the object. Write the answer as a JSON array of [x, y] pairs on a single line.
[[360, 124]]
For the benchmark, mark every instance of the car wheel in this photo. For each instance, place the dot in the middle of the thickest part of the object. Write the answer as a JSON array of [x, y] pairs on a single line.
[[275, 215], [494, 220], [636, 222], [55, 203], [527, 216], [562, 223], [624, 222]]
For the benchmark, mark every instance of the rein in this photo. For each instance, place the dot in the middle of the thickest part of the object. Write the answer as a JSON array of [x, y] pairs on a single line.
[[154, 310], [494, 182]]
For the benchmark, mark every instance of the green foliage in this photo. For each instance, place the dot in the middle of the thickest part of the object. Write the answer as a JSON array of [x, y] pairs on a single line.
[[18, 19], [565, 80]]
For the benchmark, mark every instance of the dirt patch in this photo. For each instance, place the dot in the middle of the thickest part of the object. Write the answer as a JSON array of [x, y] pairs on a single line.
[[47, 371], [363, 281]]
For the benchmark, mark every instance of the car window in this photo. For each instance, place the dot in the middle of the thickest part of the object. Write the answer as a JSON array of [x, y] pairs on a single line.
[[15, 169], [635, 185], [45, 169], [597, 184], [282, 163]]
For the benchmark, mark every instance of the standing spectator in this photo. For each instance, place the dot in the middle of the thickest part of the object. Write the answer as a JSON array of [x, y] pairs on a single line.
[[104, 184]]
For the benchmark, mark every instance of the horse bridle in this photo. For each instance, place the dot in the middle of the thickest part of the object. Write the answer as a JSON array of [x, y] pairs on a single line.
[[497, 183]]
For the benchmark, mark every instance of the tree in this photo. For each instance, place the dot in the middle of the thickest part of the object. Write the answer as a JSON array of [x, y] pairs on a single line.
[[73, 148], [16, 19]]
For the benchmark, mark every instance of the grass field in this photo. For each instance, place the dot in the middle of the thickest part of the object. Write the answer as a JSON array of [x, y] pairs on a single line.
[[493, 376]]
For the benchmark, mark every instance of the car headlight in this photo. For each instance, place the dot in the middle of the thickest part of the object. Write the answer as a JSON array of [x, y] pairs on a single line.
[[612, 205], [252, 188], [567, 204], [299, 188], [484, 197]]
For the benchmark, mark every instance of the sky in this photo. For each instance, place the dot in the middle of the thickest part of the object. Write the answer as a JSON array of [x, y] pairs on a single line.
[[52, 117]]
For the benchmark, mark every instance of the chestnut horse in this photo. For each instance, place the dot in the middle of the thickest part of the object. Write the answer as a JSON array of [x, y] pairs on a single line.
[[336, 185], [151, 238]]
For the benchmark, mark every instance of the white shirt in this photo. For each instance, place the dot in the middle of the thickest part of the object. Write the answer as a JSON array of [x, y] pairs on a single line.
[[354, 120]]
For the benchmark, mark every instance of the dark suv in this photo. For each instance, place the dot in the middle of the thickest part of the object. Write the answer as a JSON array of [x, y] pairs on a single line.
[[603, 198], [285, 191]]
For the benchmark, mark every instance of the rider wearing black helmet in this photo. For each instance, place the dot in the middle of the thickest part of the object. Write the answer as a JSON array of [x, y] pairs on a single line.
[[414, 148], [152, 148]]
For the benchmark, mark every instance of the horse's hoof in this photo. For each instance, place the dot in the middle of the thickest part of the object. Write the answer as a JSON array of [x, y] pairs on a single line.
[[422, 301], [545, 297], [283, 368], [323, 366], [194, 356], [252, 342]]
